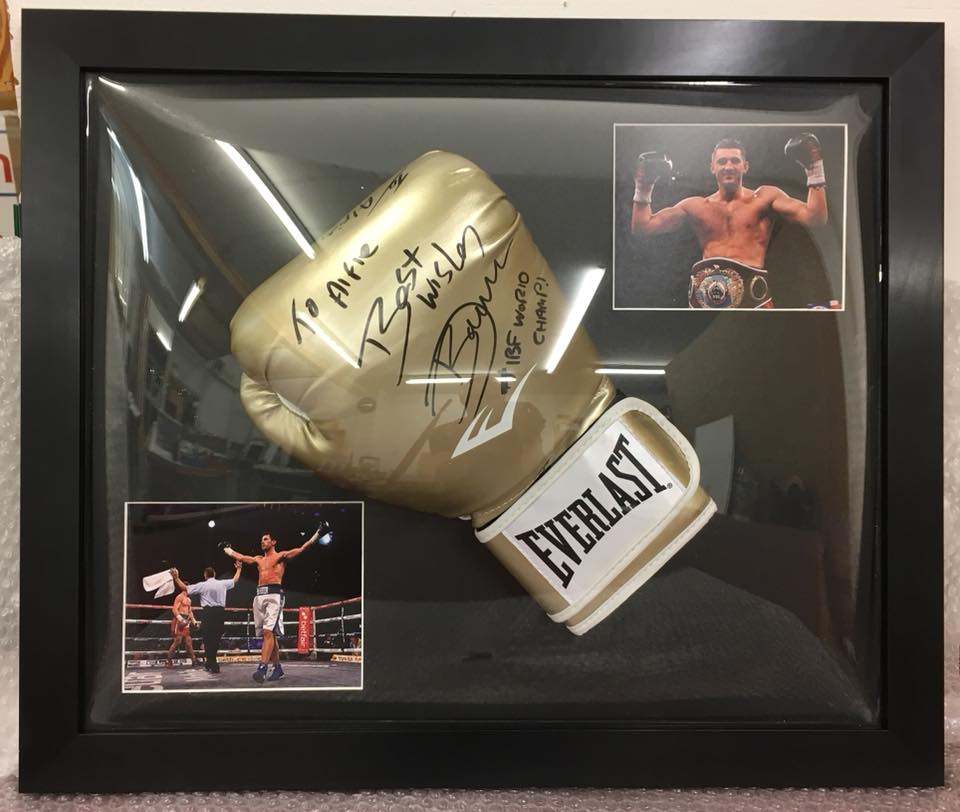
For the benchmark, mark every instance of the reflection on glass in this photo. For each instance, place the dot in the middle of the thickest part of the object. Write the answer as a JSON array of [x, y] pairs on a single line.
[[579, 303], [192, 295], [778, 405], [245, 165], [630, 371]]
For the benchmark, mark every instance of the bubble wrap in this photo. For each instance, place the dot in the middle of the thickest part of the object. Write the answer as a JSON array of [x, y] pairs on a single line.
[[9, 498], [754, 800], [951, 488]]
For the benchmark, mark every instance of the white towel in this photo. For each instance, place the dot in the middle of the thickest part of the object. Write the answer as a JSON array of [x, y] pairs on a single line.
[[161, 581]]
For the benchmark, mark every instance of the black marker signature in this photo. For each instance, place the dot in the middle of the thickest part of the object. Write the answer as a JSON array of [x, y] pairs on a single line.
[[380, 321], [468, 338], [446, 272], [370, 203]]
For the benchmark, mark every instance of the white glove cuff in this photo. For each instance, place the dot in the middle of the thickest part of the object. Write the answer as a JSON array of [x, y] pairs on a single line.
[[605, 517], [641, 194], [815, 174]]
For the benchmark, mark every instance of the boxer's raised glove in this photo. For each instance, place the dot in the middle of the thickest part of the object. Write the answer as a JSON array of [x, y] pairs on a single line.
[[650, 167], [805, 150], [427, 357], [324, 533]]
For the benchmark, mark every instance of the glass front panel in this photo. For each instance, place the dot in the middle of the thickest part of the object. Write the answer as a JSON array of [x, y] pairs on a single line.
[[581, 380]]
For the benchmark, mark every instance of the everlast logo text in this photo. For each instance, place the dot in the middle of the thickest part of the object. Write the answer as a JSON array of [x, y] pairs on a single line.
[[563, 541]]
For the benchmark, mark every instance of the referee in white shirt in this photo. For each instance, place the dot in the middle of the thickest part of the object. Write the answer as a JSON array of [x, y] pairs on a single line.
[[213, 599]]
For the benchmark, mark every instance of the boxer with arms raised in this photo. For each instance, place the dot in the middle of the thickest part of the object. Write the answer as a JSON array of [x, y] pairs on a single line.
[[269, 600], [734, 224]]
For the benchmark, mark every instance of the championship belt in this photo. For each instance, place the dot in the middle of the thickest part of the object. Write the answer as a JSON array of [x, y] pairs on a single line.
[[718, 282]]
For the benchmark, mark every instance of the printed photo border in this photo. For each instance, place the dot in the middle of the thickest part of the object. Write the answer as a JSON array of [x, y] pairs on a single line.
[[799, 126], [253, 688]]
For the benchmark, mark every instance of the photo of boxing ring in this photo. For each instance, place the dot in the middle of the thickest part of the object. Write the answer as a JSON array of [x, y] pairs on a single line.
[[325, 650], [288, 617]]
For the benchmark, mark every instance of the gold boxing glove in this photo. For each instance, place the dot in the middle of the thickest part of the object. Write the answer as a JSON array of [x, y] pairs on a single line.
[[427, 357]]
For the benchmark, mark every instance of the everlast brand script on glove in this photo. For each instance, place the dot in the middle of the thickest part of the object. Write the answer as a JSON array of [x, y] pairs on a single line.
[[595, 511]]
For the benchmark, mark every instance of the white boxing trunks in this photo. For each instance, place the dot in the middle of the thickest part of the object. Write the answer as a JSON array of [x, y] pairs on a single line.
[[268, 609]]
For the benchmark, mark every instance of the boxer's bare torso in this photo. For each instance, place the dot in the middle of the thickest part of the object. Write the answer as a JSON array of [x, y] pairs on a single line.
[[272, 564], [734, 222], [271, 567], [739, 228], [182, 610]]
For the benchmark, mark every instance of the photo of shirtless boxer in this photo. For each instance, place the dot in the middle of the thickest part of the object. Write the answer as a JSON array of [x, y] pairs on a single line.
[[180, 624], [268, 603], [185, 578], [732, 227]]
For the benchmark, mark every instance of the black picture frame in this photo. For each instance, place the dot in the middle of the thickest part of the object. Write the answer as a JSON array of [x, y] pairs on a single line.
[[58, 755]]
